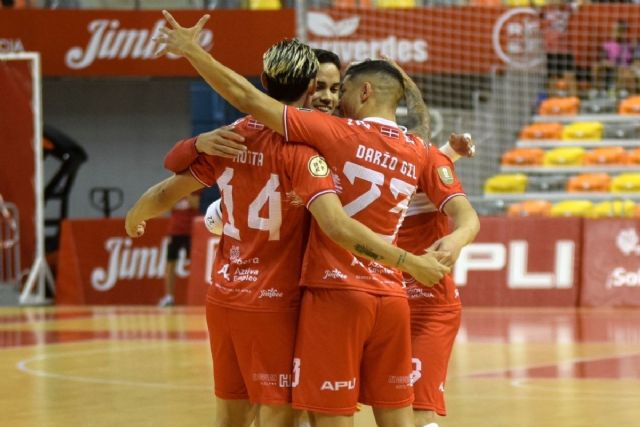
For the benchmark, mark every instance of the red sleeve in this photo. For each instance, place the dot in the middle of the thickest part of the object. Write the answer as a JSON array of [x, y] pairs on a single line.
[[180, 157], [203, 169], [438, 179], [309, 172], [313, 128]]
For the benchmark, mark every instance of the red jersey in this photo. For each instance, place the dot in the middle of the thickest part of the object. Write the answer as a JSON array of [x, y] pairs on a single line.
[[264, 193], [377, 168], [425, 223], [182, 215]]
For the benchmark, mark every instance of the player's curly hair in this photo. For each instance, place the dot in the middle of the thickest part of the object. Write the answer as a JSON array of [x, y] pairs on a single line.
[[289, 66]]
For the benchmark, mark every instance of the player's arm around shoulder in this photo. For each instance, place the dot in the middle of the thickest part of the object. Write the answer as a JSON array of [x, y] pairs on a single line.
[[159, 199], [466, 226], [360, 240]]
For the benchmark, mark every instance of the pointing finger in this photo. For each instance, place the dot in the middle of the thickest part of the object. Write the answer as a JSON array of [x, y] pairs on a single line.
[[170, 19]]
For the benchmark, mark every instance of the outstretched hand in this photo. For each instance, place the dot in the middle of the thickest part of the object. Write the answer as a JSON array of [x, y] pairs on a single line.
[[463, 144], [177, 38]]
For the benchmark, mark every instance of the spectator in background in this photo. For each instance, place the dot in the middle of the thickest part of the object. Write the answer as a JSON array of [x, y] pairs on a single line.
[[179, 232], [561, 72], [613, 69]]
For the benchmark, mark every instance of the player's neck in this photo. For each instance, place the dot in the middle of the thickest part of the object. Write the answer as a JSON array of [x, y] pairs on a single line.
[[382, 113]]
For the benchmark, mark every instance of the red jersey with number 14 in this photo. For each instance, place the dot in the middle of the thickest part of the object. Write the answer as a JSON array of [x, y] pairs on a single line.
[[264, 193], [377, 168]]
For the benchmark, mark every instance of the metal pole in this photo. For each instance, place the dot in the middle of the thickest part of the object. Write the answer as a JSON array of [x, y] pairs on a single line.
[[301, 20]]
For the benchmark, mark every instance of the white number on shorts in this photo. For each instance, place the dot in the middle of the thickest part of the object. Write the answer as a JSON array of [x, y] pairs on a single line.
[[417, 370], [296, 372], [268, 194], [397, 186]]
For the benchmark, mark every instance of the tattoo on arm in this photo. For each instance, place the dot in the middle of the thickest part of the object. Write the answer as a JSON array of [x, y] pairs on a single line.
[[367, 252], [401, 259], [417, 110]]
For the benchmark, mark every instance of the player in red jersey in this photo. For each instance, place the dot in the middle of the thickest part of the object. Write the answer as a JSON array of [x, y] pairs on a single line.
[[257, 266], [350, 307]]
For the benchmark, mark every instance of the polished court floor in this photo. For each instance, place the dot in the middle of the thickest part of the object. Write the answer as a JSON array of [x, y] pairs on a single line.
[[139, 366]]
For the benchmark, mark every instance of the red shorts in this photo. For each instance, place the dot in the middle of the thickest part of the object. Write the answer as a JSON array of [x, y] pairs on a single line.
[[252, 353], [432, 336], [352, 346]]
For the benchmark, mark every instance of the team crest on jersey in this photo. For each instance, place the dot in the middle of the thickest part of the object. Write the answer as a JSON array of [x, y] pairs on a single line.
[[318, 167], [445, 174]]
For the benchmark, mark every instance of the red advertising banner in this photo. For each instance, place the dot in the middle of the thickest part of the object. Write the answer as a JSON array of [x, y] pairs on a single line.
[[203, 251], [611, 271], [522, 262], [118, 43], [99, 264], [17, 160]]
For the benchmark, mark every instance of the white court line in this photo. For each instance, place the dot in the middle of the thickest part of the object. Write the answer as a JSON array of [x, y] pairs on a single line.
[[22, 366]]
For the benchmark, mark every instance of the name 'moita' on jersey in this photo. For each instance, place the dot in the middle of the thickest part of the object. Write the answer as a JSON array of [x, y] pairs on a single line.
[[264, 194]]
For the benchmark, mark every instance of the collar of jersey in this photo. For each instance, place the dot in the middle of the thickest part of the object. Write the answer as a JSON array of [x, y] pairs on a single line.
[[381, 121]]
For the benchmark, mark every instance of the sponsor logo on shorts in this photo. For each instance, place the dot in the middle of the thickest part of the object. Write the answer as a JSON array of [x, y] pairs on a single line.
[[266, 379], [284, 380], [318, 167], [334, 274], [339, 385], [270, 293], [400, 381], [415, 293]]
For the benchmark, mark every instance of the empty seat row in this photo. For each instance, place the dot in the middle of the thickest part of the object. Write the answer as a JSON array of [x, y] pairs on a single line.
[[571, 105], [580, 131], [576, 208], [519, 183], [571, 156]]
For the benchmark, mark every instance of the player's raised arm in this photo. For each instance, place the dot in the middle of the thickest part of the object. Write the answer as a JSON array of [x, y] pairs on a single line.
[[237, 90], [159, 199], [360, 240], [221, 142]]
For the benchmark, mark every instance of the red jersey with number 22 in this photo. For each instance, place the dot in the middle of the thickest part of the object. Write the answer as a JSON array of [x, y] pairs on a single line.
[[264, 193], [376, 168]]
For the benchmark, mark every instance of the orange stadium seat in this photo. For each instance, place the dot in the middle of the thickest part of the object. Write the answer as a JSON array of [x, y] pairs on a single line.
[[507, 183], [559, 106], [630, 105], [589, 182], [578, 208], [542, 131], [606, 156], [633, 157], [586, 131], [353, 3], [530, 208], [614, 209], [523, 157], [564, 156], [626, 183]]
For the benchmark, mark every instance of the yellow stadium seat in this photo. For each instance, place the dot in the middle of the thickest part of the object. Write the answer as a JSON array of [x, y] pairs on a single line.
[[395, 4], [586, 131], [508, 183], [613, 209], [526, 3], [564, 156], [626, 183], [579, 208], [264, 4]]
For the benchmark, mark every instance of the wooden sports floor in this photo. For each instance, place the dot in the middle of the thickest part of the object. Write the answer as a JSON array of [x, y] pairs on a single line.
[[140, 366]]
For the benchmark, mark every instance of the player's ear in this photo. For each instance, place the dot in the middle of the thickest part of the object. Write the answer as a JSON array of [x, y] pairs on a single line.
[[366, 91], [264, 81]]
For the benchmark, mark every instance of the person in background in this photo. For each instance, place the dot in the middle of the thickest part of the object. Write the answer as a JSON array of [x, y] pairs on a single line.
[[179, 233], [613, 69]]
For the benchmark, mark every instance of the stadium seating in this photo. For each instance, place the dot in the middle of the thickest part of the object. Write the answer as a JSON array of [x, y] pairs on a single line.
[[589, 182], [630, 105], [530, 208], [542, 131], [606, 156], [585, 131], [566, 208], [506, 183], [613, 209], [564, 156], [523, 156], [626, 183], [559, 106]]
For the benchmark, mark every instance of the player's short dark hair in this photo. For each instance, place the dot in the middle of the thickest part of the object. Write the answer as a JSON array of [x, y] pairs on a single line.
[[375, 66], [327, 57], [288, 67]]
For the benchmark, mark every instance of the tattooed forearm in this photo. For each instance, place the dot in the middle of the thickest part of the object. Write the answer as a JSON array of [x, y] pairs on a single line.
[[401, 259], [367, 252]]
